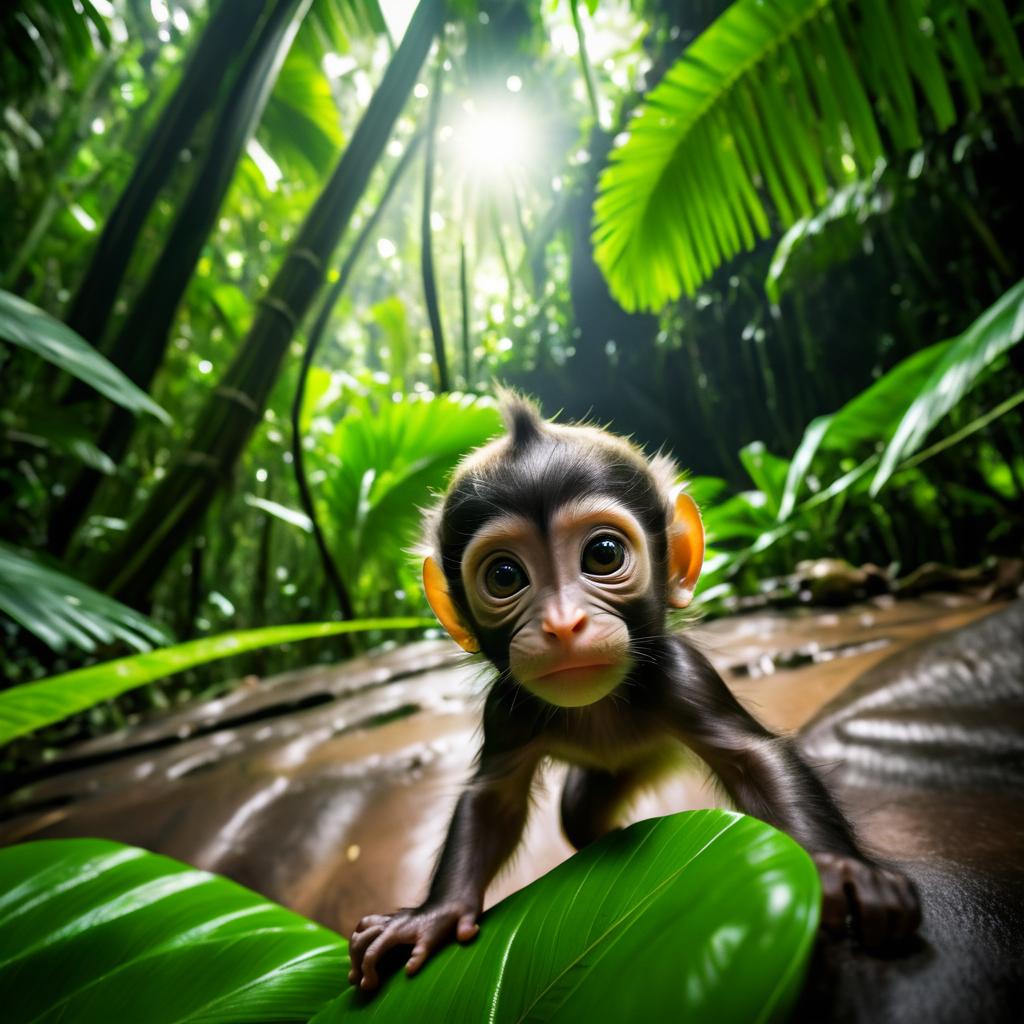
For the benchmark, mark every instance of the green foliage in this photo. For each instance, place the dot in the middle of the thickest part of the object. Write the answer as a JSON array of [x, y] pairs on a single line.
[[382, 463], [828, 235], [720, 909], [301, 121], [30, 706], [901, 408], [877, 431], [63, 612], [789, 98], [94, 931], [964, 362], [27, 326]]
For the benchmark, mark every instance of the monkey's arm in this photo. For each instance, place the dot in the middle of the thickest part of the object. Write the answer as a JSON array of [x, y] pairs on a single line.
[[767, 778], [484, 830]]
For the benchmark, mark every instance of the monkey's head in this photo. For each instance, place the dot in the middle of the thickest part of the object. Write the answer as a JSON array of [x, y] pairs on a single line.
[[555, 552]]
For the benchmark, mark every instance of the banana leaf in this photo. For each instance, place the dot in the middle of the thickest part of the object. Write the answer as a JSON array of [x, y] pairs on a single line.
[[93, 931], [720, 909], [705, 916]]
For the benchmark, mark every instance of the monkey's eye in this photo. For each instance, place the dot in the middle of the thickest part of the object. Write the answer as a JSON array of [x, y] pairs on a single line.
[[504, 577], [602, 556]]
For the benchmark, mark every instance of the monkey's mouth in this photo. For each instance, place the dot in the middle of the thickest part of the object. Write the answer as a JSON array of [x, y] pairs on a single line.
[[568, 672]]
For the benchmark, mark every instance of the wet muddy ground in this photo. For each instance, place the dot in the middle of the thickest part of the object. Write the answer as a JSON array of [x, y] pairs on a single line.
[[329, 789]]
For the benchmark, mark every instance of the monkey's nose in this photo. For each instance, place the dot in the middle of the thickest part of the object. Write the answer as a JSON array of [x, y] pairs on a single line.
[[564, 623]]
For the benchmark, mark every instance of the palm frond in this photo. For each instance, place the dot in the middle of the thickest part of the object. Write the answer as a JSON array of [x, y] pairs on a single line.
[[63, 612], [781, 100]]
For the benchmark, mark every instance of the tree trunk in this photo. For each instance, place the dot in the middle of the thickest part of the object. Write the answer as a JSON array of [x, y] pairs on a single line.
[[141, 342], [224, 425], [230, 28]]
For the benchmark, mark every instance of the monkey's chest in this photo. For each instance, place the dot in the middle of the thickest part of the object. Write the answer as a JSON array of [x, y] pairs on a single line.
[[604, 742]]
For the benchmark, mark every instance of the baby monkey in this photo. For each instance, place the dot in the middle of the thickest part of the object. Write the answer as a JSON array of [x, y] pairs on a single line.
[[555, 553]]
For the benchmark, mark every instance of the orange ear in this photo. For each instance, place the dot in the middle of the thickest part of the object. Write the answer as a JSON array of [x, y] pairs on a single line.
[[436, 587], [685, 550]]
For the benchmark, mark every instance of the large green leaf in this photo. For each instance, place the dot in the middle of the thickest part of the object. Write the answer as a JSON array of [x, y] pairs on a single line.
[[62, 612], [784, 99], [26, 325], [93, 931], [301, 123], [33, 705], [964, 361], [718, 910], [387, 458], [903, 405]]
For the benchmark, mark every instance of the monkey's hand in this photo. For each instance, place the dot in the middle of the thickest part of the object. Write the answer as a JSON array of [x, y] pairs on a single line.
[[882, 904], [425, 928]]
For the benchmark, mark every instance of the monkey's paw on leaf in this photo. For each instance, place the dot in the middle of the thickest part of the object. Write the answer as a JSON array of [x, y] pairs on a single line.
[[882, 905], [425, 929]]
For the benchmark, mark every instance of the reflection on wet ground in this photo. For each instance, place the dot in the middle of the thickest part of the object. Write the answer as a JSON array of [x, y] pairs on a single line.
[[329, 789]]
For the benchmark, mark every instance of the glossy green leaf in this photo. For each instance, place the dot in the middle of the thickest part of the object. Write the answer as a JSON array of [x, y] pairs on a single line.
[[94, 931], [63, 612], [291, 516], [28, 326], [705, 916], [301, 122], [768, 472], [33, 705], [963, 362], [386, 459], [681, 193]]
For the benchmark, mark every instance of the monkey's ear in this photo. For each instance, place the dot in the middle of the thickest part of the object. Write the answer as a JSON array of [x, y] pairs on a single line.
[[685, 550], [436, 587]]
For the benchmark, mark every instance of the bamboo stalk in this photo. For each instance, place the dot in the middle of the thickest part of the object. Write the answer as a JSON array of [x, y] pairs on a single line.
[[228, 417], [226, 36], [141, 342]]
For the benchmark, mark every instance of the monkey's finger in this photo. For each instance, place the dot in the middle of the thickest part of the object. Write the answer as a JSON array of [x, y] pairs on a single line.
[[870, 911], [369, 921], [358, 945], [467, 928], [420, 952], [388, 938]]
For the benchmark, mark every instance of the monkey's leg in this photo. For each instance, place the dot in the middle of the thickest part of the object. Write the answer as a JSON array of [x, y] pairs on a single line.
[[590, 800]]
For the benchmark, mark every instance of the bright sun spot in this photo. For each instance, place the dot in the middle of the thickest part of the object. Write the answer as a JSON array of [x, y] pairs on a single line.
[[495, 138]]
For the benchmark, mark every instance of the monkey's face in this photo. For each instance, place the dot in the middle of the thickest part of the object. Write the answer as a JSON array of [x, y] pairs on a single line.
[[558, 597]]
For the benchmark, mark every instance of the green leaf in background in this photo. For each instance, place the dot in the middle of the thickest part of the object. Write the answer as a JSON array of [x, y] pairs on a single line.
[[301, 123], [964, 361], [387, 458], [32, 705], [827, 236], [94, 931], [767, 471], [59, 431], [705, 916], [63, 612], [902, 406], [783, 100], [291, 516], [26, 325]]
